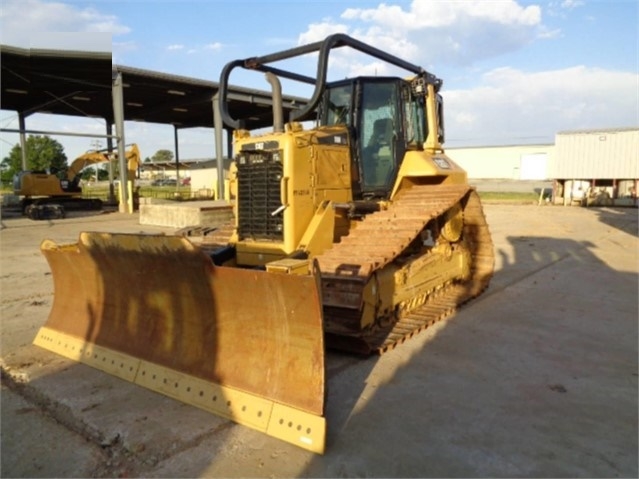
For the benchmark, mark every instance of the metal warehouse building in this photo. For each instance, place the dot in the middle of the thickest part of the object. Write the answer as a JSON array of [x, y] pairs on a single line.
[[517, 162], [596, 166], [590, 167]]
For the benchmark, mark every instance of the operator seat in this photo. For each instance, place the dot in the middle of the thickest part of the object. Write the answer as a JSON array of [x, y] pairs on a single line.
[[378, 154]]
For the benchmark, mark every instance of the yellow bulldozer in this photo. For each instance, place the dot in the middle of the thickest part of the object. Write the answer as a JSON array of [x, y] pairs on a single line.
[[355, 234], [41, 188]]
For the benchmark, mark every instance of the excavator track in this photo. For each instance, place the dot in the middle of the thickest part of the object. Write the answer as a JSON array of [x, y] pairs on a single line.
[[379, 240]]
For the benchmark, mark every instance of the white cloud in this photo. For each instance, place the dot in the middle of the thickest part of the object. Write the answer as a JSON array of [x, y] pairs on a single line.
[[511, 106], [456, 33], [194, 49], [319, 31], [560, 8], [570, 4], [545, 33], [29, 23], [349, 62], [120, 49], [507, 105], [216, 46], [435, 13]]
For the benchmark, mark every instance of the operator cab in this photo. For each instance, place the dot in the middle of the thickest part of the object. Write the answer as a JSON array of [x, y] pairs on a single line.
[[385, 116]]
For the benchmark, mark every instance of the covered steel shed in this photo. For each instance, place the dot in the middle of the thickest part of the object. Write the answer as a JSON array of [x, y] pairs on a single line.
[[598, 167]]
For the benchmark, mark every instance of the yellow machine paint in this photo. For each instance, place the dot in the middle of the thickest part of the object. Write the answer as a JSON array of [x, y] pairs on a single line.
[[42, 187], [355, 234], [32, 183], [320, 175], [185, 332]]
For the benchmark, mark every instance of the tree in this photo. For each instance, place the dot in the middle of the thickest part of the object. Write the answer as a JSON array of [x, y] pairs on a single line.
[[43, 153], [162, 156], [5, 171]]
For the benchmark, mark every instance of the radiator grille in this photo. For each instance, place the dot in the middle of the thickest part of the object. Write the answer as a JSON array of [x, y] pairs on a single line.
[[259, 175]]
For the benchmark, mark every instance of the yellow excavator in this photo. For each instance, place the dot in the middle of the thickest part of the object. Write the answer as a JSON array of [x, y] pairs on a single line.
[[354, 234], [41, 188]]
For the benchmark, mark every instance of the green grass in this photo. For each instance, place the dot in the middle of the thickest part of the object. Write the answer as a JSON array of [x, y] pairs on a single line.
[[168, 193], [508, 197], [102, 192], [181, 193]]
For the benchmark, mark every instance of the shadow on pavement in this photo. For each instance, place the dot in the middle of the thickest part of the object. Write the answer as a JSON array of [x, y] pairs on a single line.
[[536, 378], [539, 380]]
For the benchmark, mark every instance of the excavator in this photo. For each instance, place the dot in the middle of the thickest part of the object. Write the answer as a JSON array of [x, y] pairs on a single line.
[[355, 234], [41, 188]]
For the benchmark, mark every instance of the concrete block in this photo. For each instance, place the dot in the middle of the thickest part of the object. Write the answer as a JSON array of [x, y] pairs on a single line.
[[181, 215]]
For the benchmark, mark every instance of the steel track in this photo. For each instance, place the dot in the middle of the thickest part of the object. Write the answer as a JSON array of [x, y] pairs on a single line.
[[381, 238]]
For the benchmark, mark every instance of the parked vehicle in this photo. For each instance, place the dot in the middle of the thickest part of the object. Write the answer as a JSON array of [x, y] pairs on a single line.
[[164, 182]]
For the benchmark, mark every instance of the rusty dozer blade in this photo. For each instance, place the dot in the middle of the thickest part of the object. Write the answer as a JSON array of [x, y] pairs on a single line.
[[244, 344]]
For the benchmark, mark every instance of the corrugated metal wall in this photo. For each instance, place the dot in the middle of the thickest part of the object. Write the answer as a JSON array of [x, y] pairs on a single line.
[[596, 154]]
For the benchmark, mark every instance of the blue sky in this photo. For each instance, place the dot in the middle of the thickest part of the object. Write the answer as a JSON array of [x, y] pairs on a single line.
[[513, 71]]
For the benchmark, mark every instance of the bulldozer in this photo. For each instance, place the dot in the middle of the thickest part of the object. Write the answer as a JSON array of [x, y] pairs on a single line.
[[42, 188], [352, 234]]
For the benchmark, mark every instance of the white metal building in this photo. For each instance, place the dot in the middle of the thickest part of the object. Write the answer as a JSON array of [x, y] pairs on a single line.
[[596, 166], [587, 166], [516, 162], [203, 176]]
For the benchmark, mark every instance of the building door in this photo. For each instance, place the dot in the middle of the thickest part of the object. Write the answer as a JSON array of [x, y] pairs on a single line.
[[533, 166]]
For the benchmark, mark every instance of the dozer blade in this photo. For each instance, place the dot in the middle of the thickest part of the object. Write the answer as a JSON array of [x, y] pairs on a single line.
[[244, 344]]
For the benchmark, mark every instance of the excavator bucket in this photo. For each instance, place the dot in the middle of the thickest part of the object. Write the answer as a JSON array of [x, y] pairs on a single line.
[[243, 344]]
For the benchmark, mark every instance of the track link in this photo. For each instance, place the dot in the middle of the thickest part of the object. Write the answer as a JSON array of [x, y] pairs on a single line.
[[380, 239], [382, 236], [377, 241]]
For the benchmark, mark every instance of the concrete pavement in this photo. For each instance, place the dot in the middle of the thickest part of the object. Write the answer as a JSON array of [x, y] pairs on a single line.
[[537, 378]]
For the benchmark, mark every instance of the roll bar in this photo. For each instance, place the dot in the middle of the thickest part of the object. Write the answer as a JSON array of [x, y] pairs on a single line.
[[324, 47]]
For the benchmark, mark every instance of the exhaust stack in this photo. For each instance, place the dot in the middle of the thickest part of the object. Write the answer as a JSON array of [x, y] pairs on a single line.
[[278, 109]]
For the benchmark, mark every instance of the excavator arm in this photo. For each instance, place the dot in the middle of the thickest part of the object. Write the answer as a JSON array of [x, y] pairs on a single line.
[[82, 161], [102, 156], [133, 161]]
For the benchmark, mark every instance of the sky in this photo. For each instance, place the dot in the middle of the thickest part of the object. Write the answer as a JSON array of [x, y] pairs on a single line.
[[514, 72]]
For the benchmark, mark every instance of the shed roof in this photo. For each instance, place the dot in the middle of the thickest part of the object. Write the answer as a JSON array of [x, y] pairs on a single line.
[[79, 83], [598, 130]]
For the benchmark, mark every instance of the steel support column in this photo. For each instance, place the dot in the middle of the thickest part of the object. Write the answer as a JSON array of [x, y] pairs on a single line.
[[109, 132], [23, 141], [118, 115], [177, 157], [219, 150]]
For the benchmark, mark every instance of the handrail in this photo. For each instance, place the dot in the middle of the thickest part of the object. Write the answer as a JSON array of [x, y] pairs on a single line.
[[324, 47]]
